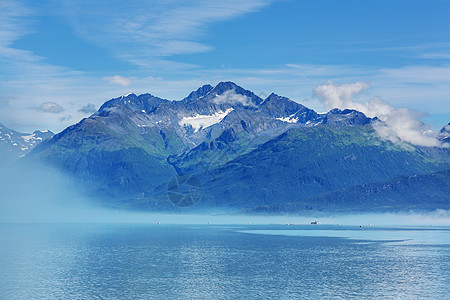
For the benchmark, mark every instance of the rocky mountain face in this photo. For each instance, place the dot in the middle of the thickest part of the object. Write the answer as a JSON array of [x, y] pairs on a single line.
[[223, 148], [14, 145], [444, 134]]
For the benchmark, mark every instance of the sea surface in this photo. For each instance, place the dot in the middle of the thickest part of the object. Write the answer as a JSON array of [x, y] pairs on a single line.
[[142, 261]]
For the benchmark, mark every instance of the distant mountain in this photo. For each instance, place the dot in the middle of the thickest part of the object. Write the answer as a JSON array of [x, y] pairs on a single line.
[[224, 148], [14, 145], [444, 134]]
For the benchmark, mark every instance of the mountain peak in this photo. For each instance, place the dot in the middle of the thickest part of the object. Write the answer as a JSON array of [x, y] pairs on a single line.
[[276, 97], [17, 144], [224, 86], [144, 102], [346, 117], [285, 109], [272, 96], [199, 93], [230, 89]]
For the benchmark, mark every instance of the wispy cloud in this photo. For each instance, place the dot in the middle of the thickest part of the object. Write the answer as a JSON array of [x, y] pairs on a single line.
[[166, 28], [12, 26], [436, 55], [327, 70], [418, 74]]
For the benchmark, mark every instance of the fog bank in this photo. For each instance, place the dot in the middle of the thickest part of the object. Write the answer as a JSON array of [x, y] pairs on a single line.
[[35, 193]]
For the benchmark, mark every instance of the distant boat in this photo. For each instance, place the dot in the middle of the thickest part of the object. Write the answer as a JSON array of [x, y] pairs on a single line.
[[315, 223]]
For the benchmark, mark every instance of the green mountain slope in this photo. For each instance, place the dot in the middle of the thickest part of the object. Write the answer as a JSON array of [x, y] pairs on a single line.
[[426, 192], [304, 163]]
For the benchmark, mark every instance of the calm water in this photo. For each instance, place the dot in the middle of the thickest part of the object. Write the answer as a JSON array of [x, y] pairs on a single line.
[[214, 262]]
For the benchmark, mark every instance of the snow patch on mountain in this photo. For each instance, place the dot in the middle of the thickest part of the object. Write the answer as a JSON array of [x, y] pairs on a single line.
[[18, 143], [31, 138], [289, 119], [445, 132], [202, 121]]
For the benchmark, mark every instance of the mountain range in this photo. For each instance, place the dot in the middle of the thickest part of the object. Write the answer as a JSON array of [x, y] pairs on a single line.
[[225, 149], [14, 145]]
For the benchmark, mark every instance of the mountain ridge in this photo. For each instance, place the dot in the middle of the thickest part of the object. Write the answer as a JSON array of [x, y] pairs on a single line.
[[14, 144], [232, 141]]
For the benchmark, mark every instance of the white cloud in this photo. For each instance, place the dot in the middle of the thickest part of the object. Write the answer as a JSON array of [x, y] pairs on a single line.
[[396, 124], [231, 97], [403, 125], [11, 25], [339, 96], [14, 24], [51, 107], [117, 79]]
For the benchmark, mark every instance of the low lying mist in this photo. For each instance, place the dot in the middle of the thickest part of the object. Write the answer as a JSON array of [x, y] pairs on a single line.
[[35, 193]]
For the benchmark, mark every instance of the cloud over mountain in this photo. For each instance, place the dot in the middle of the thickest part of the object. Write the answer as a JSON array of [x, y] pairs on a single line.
[[276, 155], [397, 124], [231, 97]]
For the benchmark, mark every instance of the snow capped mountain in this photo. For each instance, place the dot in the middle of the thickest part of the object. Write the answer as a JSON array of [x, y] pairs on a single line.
[[15, 144], [193, 117], [247, 152]]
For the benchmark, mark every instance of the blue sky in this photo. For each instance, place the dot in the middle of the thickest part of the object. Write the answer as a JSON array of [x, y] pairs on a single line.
[[59, 59]]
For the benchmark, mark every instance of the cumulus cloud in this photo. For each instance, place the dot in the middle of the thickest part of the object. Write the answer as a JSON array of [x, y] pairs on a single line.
[[117, 79], [231, 97], [395, 124], [339, 96], [51, 107], [88, 108]]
